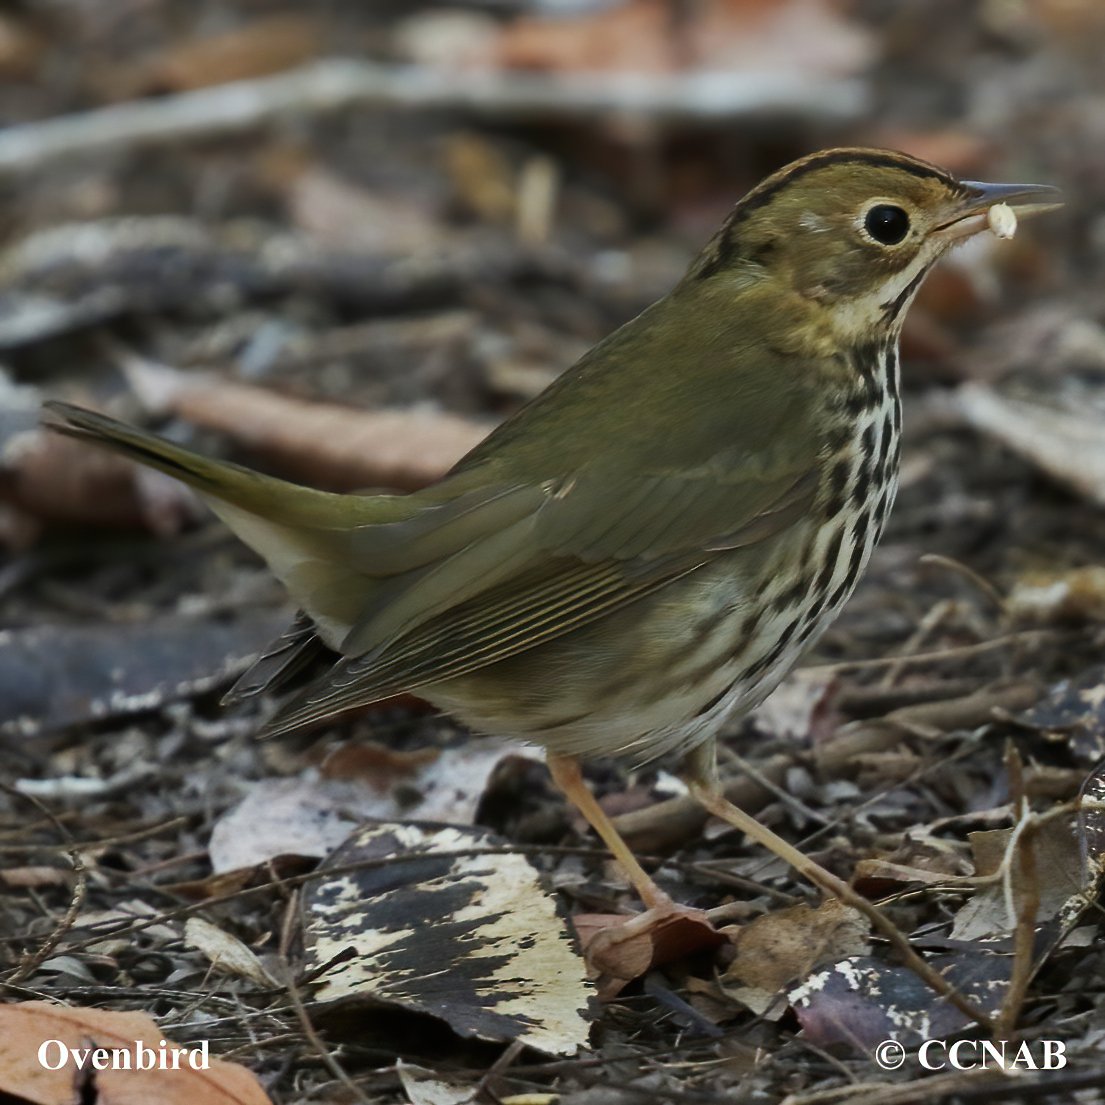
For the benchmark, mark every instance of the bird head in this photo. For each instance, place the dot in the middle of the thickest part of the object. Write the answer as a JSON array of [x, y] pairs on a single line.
[[856, 230]]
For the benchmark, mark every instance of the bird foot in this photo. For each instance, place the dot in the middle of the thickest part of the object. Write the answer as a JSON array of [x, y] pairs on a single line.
[[619, 949]]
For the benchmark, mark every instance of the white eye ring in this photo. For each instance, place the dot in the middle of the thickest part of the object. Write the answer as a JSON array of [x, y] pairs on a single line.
[[885, 223]]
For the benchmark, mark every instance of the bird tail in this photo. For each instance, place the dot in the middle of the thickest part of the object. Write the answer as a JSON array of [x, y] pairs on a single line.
[[305, 535], [223, 482]]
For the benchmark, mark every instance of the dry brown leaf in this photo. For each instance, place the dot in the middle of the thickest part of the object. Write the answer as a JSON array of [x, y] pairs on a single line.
[[26, 1026], [257, 49], [319, 443], [633, 37], [428, 784], [860, 1001], [877, 871], [375, 764], [788, 944], [482, 176], [21, 48], [334, 446], [21, 877], [645, 36], [57, 479], [1063, 882], [613, 964], [921, 858]]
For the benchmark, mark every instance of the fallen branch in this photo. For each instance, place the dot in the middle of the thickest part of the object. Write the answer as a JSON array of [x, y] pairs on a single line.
[[339, 84]]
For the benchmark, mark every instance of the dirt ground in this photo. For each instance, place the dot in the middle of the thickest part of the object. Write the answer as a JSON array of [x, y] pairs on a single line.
[[340, 241]]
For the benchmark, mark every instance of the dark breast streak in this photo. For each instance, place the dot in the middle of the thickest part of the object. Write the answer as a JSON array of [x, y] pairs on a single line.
[[808, 585]]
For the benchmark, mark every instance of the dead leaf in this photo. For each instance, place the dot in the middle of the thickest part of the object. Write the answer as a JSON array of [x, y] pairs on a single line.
[[375, 764], [483, 178], [427, 1087], [1064, 879], [436, 785], [614, 963], [471, 939], [800, 708], [787, 944], [21, 48], [322, 444], [24, 877], [256, 49], [288, 817], [860, 1002], [1064, 442], [339, 214], [922, 858], [25, 1027], [644, 36], [1074, 594], [311, 817], [57, 479], [1072, 713], [53, 677], [227, 953]]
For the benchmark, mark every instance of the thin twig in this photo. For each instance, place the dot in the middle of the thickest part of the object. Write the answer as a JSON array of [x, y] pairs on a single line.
[[30, 962], [1024, 935], [976, 579], [324, 1053], [958, 652]]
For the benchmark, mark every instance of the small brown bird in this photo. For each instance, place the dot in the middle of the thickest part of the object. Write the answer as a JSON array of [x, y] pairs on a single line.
[[639, 555]]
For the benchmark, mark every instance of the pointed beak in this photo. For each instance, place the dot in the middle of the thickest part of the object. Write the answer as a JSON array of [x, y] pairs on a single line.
[[970, 215]]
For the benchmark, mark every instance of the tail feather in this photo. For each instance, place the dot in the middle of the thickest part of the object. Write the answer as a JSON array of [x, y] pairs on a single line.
[[303, 534], [268, 497]]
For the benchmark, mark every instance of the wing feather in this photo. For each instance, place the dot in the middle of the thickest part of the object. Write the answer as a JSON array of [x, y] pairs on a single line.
[[515, 614]]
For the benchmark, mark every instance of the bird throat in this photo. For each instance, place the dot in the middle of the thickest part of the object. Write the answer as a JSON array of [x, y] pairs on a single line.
[[882, 311]]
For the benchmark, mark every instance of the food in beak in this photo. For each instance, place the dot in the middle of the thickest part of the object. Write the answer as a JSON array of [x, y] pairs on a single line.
[[1002, 220]]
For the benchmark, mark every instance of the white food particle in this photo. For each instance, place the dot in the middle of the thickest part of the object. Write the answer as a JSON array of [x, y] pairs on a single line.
[[1002, 220]]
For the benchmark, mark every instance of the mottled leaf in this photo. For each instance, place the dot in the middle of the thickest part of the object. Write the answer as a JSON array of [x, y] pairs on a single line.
[[861, 1001], [472, 939], [1072, 712]]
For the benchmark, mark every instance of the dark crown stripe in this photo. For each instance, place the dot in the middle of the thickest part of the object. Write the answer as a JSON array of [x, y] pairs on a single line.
[[724, 245], [887, 159]]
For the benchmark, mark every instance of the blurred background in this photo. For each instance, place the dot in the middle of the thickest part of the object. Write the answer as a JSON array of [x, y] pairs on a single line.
[[340, 240]]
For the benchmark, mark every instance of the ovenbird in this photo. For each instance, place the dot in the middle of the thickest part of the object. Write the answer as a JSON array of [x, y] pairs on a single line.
[[640, 554]]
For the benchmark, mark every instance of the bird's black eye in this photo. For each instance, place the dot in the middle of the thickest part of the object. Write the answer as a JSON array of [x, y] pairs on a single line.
[[887, 224]]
